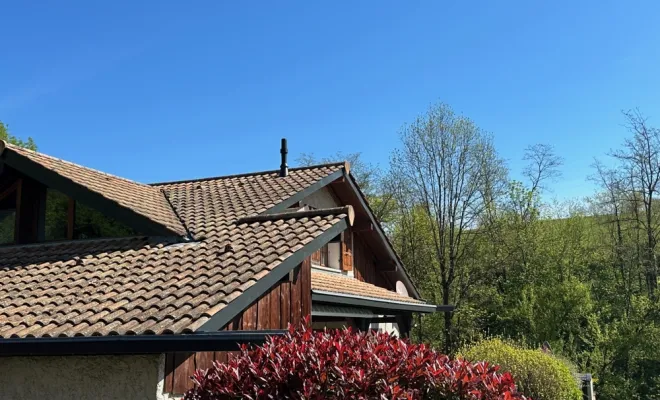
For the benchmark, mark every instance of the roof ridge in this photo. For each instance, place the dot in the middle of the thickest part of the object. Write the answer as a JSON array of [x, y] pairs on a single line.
[[22, 149], [320, 212], [335, 164]]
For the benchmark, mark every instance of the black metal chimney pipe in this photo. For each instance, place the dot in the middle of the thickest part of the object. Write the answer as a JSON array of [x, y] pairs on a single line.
[[284, 168]]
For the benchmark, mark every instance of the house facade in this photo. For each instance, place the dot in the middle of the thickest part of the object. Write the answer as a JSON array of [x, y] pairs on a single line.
[[118, 289]]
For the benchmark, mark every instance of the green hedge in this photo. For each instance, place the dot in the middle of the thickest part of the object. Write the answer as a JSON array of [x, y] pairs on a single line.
[[537, 374]]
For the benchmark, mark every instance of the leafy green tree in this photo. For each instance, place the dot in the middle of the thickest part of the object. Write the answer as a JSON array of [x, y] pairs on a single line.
[[448, 168]]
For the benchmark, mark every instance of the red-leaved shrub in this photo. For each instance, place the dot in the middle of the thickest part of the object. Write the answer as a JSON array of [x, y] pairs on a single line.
[[342, 364]]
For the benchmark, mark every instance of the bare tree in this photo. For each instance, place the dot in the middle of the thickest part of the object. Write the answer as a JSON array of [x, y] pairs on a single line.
[[368, 176], [445, 164], [611, 203], [641, 157]]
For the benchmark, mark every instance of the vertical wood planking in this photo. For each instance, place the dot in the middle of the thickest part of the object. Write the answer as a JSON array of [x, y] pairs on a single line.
[[250, 316], [184, 367], [295, 297], [306, 288], [204, 359], [263, 306], [169, 373], [274, 312], [285, 304]]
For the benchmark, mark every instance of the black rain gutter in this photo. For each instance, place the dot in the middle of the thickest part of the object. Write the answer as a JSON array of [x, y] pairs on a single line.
[[378, 304], [254, 292], [134, 344]]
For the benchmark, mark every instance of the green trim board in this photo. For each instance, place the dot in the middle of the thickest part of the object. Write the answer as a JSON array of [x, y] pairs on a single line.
[[254, 292]]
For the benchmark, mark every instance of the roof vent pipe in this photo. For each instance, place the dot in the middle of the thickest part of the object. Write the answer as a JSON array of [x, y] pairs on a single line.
[[284, 168]]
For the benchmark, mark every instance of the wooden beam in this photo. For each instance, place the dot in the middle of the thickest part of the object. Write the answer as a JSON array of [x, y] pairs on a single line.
[[363, 227], [388, 266], [12, 188]]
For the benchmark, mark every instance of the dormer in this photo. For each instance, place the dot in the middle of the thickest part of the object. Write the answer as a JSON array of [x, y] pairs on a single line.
[[45, 199]]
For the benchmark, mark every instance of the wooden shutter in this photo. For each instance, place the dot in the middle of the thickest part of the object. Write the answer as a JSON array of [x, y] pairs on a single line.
[[347, 251]]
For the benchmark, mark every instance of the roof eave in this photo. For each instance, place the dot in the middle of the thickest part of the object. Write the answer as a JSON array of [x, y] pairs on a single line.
[[373, 303], [135, 344]]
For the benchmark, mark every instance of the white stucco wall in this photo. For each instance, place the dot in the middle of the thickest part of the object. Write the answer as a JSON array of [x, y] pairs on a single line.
[[90, 377]]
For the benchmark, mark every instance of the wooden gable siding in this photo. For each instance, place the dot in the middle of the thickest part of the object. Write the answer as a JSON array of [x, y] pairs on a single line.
[[287, 302], [365, 264]]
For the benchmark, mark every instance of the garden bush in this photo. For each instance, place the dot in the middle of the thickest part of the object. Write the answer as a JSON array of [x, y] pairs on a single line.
[[342, 364], [537, 374]]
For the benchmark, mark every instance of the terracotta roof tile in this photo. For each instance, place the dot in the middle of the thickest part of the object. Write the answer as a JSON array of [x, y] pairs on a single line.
[[143, 285], [125, 297], [337, 283]]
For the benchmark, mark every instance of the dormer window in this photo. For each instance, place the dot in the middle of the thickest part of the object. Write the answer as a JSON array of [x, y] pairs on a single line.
[[57, 213]]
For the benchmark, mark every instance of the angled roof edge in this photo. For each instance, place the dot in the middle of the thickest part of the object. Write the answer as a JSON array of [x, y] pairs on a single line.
[[345, 173], [274, 171], [254, 292], [318, 185], [401, 270], [51, 178]]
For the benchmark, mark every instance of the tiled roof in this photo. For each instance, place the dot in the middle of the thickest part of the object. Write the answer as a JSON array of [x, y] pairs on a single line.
[[138, 285], [338, 283], [143, 199], [207, 206], [146, 285]]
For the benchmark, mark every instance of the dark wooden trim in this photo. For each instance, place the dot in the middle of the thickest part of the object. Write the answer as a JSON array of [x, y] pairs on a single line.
[[9, 190], [282, 206], [137, 344], [110, 208], [254, 292]]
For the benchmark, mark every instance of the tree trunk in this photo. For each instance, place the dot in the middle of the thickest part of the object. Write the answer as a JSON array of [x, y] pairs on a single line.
[[447, 330]]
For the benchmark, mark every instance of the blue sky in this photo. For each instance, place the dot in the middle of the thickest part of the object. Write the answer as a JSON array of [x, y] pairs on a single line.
[[173, 90]]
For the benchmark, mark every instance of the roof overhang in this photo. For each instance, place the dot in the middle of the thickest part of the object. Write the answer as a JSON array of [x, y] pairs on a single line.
[[378, 231], [338, 311], [137, 344], [351, 194], [379, 306]]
